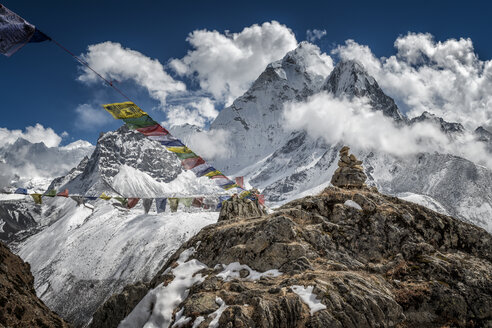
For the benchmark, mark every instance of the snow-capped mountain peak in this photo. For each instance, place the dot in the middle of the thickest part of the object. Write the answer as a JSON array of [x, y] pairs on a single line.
[[446, 127], [350, 79]]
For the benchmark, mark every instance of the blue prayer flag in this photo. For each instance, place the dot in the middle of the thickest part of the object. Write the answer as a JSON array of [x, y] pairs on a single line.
[[160, 204], [22, 191]]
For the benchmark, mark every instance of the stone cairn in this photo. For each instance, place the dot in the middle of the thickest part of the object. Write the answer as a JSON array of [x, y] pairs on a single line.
[[350, 173]]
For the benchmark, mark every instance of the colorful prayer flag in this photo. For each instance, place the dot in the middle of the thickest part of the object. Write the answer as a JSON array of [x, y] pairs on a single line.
[[180, 150], [240, 181], [15, 32], [169, 141], [197, 202], [229, 186], [261, 199], [22, 191], [104, 196], [139, 122], [122, 200], [199, 169], [132, 202], [50, 193], [64, 193], [153, 130], [160, 205], [173, 204], [183, 156], [147, 204], [91, 197], [124, 110], [37, 198], [190, 163], [213, 173], [186, 201]]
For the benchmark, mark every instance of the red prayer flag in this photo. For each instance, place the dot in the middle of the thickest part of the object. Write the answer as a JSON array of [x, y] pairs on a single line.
[[189, 163], [240, 181], [197, 202], [261, 199], [64, 193], [219, 177], [132, 202], [154, 130]]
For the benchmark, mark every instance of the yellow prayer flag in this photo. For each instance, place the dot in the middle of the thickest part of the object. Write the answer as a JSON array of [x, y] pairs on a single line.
[[227, 187], [124, 110], [179, 150], [213, 173], [105, 197], [37, 198]]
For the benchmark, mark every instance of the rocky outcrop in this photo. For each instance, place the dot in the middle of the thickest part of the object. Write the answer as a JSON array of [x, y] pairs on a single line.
[[344, 258], [19, 305], [350, 173]]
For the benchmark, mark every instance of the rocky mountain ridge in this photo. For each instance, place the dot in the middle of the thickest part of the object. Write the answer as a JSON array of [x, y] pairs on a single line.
[[19, 305], [348, 257]]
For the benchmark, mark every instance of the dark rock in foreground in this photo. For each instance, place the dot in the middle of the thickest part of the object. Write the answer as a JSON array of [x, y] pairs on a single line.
[[371, 260], [19, 305]]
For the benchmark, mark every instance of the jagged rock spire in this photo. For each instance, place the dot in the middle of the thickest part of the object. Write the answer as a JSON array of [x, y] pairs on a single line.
[[350, 173]]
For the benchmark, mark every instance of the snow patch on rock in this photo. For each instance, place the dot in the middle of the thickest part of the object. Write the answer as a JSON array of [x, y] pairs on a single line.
[[307, 296], [157, 307], [232, 271]]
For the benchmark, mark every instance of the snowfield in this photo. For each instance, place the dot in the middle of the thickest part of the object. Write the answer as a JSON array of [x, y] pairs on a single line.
[[85, 256]]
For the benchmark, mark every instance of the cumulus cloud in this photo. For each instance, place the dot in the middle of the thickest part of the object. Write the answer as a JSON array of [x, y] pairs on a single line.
[[34, 134], [198, 113], [445, 78], [211, 144], [115, 62], [314, 35], [89, 118], [354, 122], [225, 64]]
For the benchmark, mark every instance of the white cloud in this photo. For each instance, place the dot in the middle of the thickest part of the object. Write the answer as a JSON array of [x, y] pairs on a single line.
[[211, 144], [355, 123], [314, 35], [34, 134], [445, 78], [198, 113], [114, 62], [226, 64], [89, 118]]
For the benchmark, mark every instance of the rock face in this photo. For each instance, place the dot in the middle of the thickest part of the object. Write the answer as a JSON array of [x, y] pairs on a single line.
[[350, 173], [19, 305], [345, 258], [240, 208]]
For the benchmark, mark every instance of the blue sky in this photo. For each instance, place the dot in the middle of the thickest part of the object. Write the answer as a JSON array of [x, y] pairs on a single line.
[[38, 84]]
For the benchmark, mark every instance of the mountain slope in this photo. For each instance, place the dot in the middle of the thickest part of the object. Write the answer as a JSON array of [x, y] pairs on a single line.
[[344, 258], [80, 255]]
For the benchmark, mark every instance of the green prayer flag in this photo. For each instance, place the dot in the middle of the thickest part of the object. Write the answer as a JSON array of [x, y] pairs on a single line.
[[186, 201], [173, 204], [50, 193], [139, 122], [122, 200]]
